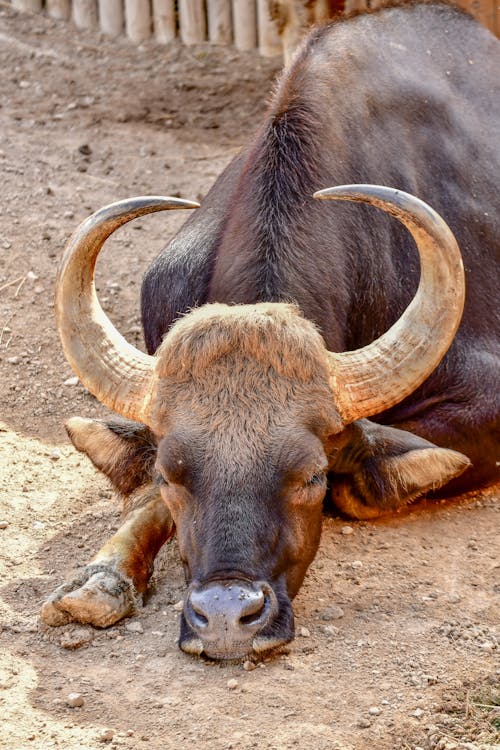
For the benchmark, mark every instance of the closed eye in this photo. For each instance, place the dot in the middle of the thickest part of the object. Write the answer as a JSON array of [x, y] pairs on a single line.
[[316, 480], [160, 480]]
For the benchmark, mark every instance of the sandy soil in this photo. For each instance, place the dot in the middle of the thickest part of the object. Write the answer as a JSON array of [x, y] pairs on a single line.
[[397, 644]]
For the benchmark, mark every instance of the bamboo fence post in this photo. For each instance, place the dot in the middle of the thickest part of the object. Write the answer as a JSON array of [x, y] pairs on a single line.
[[85, 14], [219, 21], [322, 11], [111, 17], [31, 6], [59, 9], [244, 24], [164, 20], [269, 42], [137, 20], [192, 21], [351, 5]]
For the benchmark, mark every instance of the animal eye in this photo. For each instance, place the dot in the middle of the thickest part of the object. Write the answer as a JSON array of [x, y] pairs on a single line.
[[160, 480], [316, 480]]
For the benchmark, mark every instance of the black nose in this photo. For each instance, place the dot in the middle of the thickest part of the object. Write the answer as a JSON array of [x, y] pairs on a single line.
[[226, 615]]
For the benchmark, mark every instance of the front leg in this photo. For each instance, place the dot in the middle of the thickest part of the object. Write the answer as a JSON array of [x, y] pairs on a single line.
[[107, 588]]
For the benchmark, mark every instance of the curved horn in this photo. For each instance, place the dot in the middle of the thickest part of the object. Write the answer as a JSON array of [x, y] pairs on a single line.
[[115, 372], [372, 379]]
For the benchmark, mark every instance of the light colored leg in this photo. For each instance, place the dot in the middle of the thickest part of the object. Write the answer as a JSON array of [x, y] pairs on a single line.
[[107, 588]]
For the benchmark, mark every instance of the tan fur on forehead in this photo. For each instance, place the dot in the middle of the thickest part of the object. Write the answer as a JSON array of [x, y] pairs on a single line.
[[274, 334]]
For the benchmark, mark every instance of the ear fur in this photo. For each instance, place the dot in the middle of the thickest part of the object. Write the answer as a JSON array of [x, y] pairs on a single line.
[[123, 450], [385, 468]]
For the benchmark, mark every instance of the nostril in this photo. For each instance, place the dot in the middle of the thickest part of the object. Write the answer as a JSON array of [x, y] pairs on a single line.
[[255, 609], [196, 614], [251, 619], [201, 620]]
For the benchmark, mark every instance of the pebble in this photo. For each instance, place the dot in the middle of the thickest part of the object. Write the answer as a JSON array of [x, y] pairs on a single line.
[[374, 711], [32, 276], [346, 530], [134, 627], [71, 381], [356, 564], [487, 647], [232, 684], [75, 700], [364, 723], [304, 632], [106, 736], [417, 713], [332, 613], [249, 666], [178, 606], [13, 360], [55, 455], [330, 630], [76, 637], [4, 524]]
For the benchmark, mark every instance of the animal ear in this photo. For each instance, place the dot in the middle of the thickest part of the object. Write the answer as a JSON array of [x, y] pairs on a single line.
[[382, 468], [124, 451]]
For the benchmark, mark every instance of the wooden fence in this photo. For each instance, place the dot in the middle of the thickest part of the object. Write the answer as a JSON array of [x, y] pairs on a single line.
[[244, 23]]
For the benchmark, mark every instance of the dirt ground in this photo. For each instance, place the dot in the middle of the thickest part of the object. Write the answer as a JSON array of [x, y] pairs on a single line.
[[397, 646]]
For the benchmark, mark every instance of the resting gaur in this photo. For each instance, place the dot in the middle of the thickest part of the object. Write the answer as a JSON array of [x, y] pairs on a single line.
[[296, 347]]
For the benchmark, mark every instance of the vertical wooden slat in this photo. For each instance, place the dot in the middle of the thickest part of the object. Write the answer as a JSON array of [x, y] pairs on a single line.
[[269, 41], [164, 20], [138, 20], [244, 24], [60, 9], [111, 17], [32, 6], [351, 5], [219, 21], [85, 14], [192, 21], [322, 11]]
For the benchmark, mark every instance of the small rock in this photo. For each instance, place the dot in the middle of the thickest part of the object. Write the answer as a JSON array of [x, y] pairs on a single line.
[[85, 149], [346, 530], [356, 564], [106, 736], [71, 381], [178, 606], [374, 711], [75, 700], [69, 214], [332, 613], [232, 684], [134, 627], [4, 524], [364, 723], [330, 630], [249, 666], [76, 637], [55, 455], [487, 647], [417, 713], [39, 289], [13, 360], [304, 632], [32, 276]]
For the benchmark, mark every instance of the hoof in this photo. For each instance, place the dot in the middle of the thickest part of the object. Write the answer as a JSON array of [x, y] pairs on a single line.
[[100, 597]]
